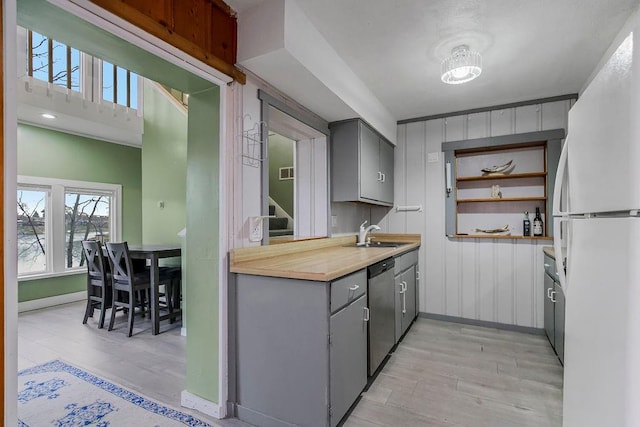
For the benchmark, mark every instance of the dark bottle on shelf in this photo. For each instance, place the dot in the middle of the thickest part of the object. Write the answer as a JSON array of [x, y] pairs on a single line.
[[538, 225], [526, 225]]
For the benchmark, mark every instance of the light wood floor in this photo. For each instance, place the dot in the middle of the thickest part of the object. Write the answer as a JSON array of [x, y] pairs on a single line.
[[153, 366], [447, 374], [442, 374]]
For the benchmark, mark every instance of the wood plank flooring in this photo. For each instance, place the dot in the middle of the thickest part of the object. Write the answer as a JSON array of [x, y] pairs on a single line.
[[154, 366], [448, 374], [442, 374]]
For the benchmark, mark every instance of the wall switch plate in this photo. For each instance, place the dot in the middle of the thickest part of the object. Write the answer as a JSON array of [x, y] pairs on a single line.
[[334, 220], [255, 228], [433, 157], [161, 204]]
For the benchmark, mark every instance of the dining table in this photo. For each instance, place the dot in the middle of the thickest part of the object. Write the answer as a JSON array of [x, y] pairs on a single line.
[[153, 253]]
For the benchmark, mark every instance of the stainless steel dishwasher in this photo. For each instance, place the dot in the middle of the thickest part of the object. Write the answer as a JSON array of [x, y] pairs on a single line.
[[381, 311]]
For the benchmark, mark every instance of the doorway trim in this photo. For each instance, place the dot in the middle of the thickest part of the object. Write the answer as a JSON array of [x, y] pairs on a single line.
[[305, 117], [95, 15]]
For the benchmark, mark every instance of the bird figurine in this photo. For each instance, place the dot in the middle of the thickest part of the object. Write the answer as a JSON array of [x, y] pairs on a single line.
[[502, 169]]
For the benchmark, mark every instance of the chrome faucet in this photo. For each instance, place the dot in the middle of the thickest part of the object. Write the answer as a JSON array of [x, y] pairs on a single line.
[[362, 236]]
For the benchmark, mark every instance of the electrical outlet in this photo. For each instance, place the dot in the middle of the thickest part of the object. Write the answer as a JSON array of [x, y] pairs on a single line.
[[255, 228], [334, 221], [433, 157]]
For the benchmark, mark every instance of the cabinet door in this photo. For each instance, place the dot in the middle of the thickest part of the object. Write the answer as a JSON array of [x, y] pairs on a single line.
[[409, 296], [386, 167], [399, 289], [559, 322], [348, 357], [549, 309], [369, 163]]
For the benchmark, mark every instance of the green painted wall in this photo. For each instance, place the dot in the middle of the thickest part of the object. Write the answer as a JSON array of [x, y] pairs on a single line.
[[280, 156], [164, 168], [52, 154], [202, 244]]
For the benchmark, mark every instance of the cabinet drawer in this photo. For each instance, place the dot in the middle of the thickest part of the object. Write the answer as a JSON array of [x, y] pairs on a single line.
[[348, 289], [405, 261]]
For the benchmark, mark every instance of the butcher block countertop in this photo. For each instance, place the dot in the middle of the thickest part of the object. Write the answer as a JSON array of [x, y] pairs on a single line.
[[549, 251], [319, 259]]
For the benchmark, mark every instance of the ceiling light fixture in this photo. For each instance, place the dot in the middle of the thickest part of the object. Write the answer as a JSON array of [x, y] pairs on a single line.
[[48, 116], [463, 65]]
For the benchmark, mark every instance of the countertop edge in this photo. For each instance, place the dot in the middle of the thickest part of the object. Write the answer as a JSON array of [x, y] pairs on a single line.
[[381, 254]]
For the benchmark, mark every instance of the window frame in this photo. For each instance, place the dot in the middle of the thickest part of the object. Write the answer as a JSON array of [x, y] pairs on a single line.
[[47, 226], [55, 219]]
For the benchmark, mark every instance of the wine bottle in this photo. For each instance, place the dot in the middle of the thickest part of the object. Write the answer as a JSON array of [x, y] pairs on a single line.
[[537, 224], [526, 225]]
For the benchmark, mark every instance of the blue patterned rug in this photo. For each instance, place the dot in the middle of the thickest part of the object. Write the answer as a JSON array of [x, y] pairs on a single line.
[[61, 395]]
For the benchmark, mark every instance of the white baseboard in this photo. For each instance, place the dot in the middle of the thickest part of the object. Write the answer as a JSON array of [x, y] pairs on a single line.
[[51, 301], [191, 401]]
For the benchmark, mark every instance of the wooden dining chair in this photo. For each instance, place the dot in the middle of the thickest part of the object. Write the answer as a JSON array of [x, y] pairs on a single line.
[[129, 286], [99, 290]]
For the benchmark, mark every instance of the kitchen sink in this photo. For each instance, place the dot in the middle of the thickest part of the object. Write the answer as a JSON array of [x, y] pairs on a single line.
[[383, 245]]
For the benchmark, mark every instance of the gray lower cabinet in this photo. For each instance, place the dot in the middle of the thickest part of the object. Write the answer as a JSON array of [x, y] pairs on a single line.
[[549, 310], [559, 321], [406, 291], [554, 308], [348, 357], [299, 347], [362, 164]]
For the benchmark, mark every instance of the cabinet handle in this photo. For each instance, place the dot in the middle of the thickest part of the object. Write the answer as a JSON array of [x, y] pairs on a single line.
[[366, 314], [401, 288], [553, 293], [404, 298], [549, 293], [384, 177], [547, 265], [379, 176], [354, 288]]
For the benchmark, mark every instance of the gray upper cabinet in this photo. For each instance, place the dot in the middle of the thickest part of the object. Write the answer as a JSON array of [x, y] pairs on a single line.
[[361, 164]]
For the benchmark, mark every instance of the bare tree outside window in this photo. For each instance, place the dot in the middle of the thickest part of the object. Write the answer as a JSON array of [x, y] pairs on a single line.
[[32, 211], [86, 218], [53, 62]]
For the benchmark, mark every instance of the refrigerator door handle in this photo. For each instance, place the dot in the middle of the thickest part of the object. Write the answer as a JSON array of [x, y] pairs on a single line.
[[557, 247], [557, 188]]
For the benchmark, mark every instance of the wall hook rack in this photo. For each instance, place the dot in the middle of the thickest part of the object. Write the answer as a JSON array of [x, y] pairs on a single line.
[[252, 142]]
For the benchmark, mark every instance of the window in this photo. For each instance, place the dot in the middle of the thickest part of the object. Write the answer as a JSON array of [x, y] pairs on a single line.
[[87, 216], [119, 85], [51, 61], [55, 216], [32, 229]]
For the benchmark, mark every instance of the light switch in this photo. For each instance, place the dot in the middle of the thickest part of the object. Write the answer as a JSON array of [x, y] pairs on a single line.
[[433, 157]]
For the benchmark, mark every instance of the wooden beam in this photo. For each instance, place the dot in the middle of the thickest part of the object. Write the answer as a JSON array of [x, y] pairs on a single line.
[[2, 338], [161, 22]]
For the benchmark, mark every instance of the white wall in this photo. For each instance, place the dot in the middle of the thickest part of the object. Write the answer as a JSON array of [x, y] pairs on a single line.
[[483, 279]]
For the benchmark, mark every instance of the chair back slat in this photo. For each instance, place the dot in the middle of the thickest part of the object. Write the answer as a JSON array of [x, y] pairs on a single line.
[[96, 262], [120, 260]]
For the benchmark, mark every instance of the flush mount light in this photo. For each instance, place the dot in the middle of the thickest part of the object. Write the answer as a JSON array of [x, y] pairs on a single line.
[[462, 66], [48, 116]]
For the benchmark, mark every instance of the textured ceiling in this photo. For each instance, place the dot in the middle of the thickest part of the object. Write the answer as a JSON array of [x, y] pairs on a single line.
[[530, 48]]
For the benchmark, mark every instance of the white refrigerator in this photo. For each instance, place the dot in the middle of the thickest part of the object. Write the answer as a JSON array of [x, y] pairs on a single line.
[[597, 240]]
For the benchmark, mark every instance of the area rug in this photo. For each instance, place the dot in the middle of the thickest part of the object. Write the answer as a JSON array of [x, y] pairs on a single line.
[[58, 394]]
